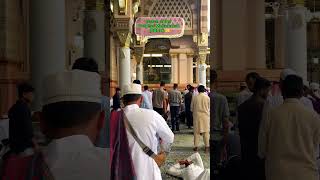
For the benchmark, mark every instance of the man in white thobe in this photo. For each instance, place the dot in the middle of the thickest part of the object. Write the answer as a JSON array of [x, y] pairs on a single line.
[[289, 137], [147, 124]]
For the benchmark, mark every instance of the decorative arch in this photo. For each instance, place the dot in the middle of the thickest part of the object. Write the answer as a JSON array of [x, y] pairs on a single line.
[[172, 8]]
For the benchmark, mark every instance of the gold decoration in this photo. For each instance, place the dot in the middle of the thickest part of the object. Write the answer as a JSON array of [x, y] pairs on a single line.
[[123, 7], [202, 58], [138, 52], [204, 39], [124, 38]]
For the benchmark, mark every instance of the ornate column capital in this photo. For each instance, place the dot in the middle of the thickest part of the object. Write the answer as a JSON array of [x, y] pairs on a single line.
[[190, 55], [174, 56], [138, 53], [202, 58], [124, 38], [201, 39]]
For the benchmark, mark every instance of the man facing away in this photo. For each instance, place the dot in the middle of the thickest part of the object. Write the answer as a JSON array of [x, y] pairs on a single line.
[[116, 99], [219, 123], [72, 117], [148, 93], [249, 117], [289, 136], [147, 124], [246, 93], [200, 108], [21, 138], [159, 100], [146, 102], [175, 100], [187, 101]]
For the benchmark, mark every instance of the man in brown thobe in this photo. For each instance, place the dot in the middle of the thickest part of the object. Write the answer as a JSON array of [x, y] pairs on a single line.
[[200, 107]]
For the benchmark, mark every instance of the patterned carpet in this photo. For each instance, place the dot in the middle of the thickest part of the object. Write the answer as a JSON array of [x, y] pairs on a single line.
[[181, 149]]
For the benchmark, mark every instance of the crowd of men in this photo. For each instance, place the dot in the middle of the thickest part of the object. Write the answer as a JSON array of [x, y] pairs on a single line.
[[278, 124]]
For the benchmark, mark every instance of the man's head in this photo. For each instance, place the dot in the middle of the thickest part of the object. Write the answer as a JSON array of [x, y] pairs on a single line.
[[292, 87], [146, 88], [191, 89], [262, 87], [118, 90], [243, 86], [201, 89], [306, 91], [188, 86], [72, 105], [86, 64], [162, 84], [251, 79], [25, 92], [175, 86], [137, 81], [132, 94], [314, 87]]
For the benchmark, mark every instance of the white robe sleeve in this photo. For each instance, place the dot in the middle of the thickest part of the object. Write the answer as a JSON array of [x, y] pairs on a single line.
[[163, 130]]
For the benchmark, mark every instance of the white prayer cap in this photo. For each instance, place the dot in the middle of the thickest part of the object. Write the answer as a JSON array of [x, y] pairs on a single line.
[[306, 83], [287, 72], [131, 89], [75, 85], [314, 86]]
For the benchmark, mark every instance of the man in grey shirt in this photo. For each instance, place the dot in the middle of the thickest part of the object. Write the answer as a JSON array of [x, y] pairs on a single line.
[[175, 100]]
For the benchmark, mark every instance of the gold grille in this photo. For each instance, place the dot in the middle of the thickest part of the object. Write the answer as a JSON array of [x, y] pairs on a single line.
[[173, 8]]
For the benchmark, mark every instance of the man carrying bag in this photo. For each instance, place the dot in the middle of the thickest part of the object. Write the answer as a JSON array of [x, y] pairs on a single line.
[[142, 126]]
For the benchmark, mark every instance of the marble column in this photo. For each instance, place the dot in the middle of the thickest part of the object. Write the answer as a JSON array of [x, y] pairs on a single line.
[[202, 69], [190, 68], [48, 52], [174, 68], [125, 66], [256, 34], [138, 53], [94, 40], [297, 40], [124, 58], [183, 68], [139, 72], [280, 40]]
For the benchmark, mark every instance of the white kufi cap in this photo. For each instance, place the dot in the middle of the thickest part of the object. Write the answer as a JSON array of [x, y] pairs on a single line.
[[75, 85], [314, 86], [131, 89], [287, 72]]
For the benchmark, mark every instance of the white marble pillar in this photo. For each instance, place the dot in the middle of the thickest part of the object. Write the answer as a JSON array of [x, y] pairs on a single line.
[[47, 42], [139, 72], [125, 66], [174, 68], [256, 34], [183, 69], [280, 40], [202, 70], [190, 68], [94, 41], [297, 40]]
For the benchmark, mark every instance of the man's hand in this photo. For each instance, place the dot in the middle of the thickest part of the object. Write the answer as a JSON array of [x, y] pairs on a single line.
[[160, 159]]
